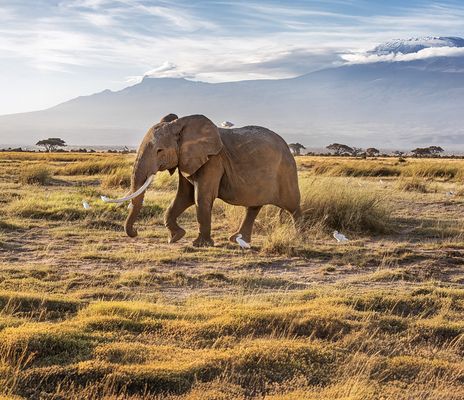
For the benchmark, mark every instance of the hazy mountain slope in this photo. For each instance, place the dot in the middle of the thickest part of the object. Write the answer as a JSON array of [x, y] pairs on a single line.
[[381, 104]]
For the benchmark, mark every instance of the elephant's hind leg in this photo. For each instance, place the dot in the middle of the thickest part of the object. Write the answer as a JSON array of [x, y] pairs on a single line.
[[183, 200], [246, 228], [297, 217]]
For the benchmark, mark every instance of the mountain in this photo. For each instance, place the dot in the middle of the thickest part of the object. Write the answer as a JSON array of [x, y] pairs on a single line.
[[381, 104], [414, 45]]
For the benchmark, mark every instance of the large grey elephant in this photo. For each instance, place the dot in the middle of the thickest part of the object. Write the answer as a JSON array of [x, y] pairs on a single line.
[[250, 167]]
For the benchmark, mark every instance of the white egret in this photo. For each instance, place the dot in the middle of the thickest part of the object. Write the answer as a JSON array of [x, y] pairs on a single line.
[[340, 237], [241, 242], [227, 124], [85, 205]]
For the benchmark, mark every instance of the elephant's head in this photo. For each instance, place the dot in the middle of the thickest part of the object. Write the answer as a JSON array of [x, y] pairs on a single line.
[[174, 142]]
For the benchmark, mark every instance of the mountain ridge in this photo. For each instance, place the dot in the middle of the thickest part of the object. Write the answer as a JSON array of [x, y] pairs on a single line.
[[385, 104]]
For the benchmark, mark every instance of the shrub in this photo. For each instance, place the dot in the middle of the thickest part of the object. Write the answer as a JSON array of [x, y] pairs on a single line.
[[412, 185], [333, 204], [36, 175], [120, 178], [281, 240]]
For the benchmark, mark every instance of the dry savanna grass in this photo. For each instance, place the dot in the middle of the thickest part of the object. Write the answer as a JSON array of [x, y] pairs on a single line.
[[86, 313], [36, 174]]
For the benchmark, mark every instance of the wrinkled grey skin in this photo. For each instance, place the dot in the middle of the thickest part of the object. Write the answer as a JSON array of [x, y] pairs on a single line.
[[250, 167]]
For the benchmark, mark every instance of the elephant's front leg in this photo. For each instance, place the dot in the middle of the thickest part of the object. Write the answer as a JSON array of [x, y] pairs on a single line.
[[204, 199], [183, 200]]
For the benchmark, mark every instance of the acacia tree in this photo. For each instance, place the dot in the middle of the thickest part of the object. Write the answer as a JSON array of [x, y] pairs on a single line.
[[435, 150], [51, 144], [421, 151], [296, 148], [339, 148], [427, 151], [372, 152]]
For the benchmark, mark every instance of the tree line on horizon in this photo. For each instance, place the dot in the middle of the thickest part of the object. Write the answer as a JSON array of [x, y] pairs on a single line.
[[339, 149]]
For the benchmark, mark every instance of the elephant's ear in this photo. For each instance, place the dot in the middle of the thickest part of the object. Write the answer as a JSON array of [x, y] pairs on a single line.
[[198, 140], [169, 118]]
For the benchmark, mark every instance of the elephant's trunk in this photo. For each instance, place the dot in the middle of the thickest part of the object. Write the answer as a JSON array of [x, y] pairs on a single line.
[[134, 211], [141, 177]]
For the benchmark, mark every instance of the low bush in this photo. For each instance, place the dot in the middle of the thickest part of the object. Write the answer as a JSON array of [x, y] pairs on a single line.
[[37, 174], [119, 178], [412, 185], [334, 204]]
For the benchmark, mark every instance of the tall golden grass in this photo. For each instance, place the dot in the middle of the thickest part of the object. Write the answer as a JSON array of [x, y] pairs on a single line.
[[386, 167], [94, 167], [36, 174]]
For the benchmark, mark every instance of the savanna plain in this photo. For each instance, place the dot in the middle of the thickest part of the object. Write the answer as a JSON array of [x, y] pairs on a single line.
[[88, 313]]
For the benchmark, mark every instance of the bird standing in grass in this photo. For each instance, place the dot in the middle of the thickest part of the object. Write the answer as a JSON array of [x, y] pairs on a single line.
[[85, 205], [241, 242], [340, 237]]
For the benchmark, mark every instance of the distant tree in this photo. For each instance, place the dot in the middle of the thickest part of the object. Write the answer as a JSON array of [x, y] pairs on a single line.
[[296, 148], [51, 144], [435, 150], [358, 151], [427, 151], [398, 153], [340, 149], [421, 152], [372, 152]]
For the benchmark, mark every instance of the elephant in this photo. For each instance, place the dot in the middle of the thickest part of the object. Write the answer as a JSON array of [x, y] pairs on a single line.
[[250, 167]]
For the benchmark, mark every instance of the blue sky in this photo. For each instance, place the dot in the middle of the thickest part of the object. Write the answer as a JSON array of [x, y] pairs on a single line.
[[52, 50]]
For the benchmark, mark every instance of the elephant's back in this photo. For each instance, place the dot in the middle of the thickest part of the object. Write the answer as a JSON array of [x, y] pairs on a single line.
[[255, 139]]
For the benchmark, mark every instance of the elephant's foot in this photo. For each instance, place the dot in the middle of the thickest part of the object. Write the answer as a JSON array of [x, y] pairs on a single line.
[[131, 232], [245, 237], [203, 242], [176, 235]]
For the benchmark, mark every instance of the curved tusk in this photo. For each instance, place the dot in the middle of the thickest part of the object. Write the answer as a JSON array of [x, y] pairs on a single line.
[[131, 196]]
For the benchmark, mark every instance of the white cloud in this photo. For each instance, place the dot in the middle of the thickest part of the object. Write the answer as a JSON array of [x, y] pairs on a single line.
[[167, 70], [100, 20], [365, 58], [271, 42]]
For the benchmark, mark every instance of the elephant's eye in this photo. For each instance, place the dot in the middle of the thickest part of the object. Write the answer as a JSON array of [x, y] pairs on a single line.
[[159, 151]]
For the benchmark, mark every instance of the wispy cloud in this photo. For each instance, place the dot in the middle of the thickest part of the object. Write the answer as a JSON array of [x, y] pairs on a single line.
[[248, 39]]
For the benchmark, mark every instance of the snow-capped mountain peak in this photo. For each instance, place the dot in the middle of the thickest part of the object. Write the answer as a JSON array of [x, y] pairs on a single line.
[[413, 45]]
